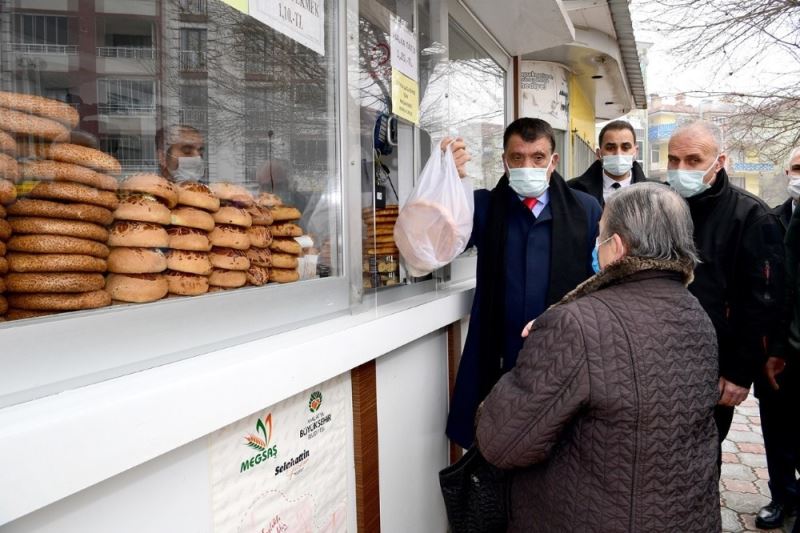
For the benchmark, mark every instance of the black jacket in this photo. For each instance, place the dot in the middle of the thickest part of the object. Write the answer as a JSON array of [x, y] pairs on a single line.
[[591, 181], [792, 279], [740, 281]]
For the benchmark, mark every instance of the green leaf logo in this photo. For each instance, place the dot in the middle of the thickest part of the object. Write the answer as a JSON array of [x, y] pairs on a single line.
[[315, 401]]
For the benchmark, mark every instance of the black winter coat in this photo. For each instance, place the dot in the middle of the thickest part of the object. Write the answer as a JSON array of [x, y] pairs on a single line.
[[591, 181], [740, 281]]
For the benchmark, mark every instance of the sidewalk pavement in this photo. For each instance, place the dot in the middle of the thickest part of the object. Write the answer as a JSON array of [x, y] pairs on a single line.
[[743, 486]]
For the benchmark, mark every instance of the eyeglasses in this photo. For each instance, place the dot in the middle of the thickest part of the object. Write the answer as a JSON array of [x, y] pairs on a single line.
[[598, 243]]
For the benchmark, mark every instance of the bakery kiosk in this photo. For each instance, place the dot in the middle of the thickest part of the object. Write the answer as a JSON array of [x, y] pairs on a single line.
[[205, 322]]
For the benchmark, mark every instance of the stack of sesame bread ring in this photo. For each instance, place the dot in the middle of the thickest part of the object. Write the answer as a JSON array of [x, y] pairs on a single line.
[[230, 241], [259, 253], [381, 256], [285, 249]]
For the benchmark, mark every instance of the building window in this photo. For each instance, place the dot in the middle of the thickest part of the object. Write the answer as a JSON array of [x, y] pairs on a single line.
[[193, 7], [655, 155], [136, 153], [126, 97], [193, 50], [42, 34], [255, 58]]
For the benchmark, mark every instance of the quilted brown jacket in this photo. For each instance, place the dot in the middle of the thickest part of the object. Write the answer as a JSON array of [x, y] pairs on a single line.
[[607, 419]]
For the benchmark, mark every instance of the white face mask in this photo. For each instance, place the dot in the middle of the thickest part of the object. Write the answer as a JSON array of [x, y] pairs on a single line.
[[617, 165], [689, 183], [529, 182], [189, 169], [794, 186]]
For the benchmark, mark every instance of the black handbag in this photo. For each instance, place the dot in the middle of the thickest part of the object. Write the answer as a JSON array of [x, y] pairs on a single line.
[[475, 495]]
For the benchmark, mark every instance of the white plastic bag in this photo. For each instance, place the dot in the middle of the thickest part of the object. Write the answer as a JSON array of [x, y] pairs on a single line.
[[435, 223]]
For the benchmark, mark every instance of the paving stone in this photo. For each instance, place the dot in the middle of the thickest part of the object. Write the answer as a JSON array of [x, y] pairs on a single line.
[[740, 419], [757, 429], [744, 503], [751, 447], [728, 446], [744, 436], [753, 459], [748, 410], [730, 521], [737, 472], [740, 427], [755, 420], [763, 487], [738, 485], [728, 457], [761, 473]]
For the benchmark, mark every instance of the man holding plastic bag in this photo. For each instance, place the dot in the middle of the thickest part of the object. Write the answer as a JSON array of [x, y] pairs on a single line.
[[535, 238]]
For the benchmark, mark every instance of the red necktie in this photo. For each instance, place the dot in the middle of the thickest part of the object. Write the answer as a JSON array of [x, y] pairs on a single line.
[[530, 202]]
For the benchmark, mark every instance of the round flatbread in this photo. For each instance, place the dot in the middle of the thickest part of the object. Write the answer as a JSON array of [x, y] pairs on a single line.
[[283, 213], [8, 193], [54, 282], [77, 211], [3, 265], [284, 261], [54, 226], [5, 230], [59, 171], [59, 301], [286, 246], [74, 192], [22, 314], [57, 244], [18, 262], [283, 275], [77, 155], [286, 230]]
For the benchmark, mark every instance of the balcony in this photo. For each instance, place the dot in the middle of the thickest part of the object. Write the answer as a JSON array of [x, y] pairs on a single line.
[[126, 52], [138, 165], [126, 109], [194, 116], [54, 49], [193, 61]]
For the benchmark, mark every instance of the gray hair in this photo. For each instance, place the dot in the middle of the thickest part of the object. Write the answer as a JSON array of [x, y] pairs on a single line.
[[791, 156], [709, 128], [653, 221]]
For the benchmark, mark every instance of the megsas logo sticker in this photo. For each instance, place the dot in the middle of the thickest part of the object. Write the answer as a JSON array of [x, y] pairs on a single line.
[[261, 441]]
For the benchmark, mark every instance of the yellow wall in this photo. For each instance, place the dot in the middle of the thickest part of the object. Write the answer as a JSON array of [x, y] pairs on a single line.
[[581, 118]]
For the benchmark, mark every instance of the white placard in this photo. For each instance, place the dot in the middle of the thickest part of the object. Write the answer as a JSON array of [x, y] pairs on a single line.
[[283, 469], [544, 92], [301, 20], [404, 48]]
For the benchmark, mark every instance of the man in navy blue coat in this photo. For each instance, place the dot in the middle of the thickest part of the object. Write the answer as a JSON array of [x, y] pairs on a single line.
[[535, 238]]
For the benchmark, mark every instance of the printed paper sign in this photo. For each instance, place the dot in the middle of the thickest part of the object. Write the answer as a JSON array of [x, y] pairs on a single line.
[[544, 92], [301, 20], [283, 469], [405, 97], [404, 48]]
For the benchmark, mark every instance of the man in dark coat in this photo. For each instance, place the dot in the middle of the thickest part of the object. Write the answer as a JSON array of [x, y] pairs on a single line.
[[616, 165], [534, 236], [740, 278], [778, 391]]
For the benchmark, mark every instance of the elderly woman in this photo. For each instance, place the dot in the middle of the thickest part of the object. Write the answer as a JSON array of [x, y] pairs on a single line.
[[607, 419]]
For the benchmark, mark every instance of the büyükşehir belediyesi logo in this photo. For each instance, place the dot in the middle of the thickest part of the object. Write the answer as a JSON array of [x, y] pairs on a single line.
[[315, 401]]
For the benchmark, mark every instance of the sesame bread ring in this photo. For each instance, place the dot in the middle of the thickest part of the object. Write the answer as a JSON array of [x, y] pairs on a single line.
[[257, 276], [191, 217], [190, 262], [57, 171], [152, 184], [282, 213], [138, 235], [21, 314], [43, 107], [284, 261], [142, 208], [25, 124], [228, 259], [59, 301], [2, 248], [233, 215], [191, 239], [268, 199], [123, 260], [286, 246], [3, 305], [283, 275], [260, 236], [232, 192], [80, 155], [9, 169], [8, 193], [3, 265], [229, 279], [55, 226], [73, 192], [3, 211], [5, 229], [260, 257], [55, 263], [261, 215], [196, 194], [7, 144], [137, 288], [44, 208], [229, 237], [57, 244], [286, 230], [54, 282], [185, 284]]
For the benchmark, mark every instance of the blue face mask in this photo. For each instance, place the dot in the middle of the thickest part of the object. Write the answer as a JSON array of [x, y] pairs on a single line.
[[596, 254]]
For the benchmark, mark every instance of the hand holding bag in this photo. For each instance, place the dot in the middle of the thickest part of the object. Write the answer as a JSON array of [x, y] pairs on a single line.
[[475, 495]]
